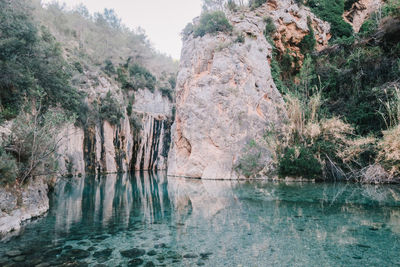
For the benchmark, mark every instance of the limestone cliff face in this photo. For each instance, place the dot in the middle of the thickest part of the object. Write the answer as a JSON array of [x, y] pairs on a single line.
[[138, 142], [291, 21], [360, 11], [225, 99]]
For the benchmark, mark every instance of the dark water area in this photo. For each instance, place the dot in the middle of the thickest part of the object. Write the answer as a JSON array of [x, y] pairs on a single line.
[[149, 219]]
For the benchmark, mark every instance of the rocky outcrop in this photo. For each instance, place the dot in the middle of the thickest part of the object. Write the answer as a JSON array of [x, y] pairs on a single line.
[[21, 204], [360, 12], [139, 142], [226, 98], [292, 24]]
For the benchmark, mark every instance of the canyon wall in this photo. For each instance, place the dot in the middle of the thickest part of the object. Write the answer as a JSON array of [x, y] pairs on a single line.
[[226, 99], [139, 142]]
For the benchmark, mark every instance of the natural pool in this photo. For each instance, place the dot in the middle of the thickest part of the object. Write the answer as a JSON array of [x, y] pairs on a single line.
[[149, 219]]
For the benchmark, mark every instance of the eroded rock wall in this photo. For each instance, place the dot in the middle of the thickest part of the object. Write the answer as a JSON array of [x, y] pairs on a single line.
[[292, 24], [226, 98], [139, 142]]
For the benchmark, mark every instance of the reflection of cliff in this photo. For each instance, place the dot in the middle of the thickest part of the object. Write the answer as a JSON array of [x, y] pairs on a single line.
[[111, 200], [204, 197]]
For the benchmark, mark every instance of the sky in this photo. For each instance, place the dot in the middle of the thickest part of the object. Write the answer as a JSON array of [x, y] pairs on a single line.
[[163, 20]]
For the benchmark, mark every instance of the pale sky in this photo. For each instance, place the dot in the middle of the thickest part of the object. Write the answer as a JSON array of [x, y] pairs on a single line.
[[163, 20]]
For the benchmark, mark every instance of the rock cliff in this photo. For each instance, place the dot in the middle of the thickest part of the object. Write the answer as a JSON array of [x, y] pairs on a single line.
[[226, 99], [139, 142], [292, 23]]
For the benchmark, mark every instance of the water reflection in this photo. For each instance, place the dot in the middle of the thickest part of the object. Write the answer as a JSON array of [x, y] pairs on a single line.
[[183, 222]]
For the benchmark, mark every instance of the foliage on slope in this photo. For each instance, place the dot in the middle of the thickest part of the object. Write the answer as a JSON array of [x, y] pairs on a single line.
[[343, 104]]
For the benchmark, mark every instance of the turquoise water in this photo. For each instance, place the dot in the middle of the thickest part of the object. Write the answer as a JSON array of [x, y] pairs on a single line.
[[152, 220]]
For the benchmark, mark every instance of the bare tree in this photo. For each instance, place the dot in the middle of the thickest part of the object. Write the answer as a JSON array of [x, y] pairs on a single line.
[[34, 141]]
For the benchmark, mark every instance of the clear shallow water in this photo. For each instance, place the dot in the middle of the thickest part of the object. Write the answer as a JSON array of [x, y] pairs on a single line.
[[146, 219]]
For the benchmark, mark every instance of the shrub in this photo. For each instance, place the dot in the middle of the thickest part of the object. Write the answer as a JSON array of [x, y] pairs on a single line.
[[129, 109], [8, 168], [240, 38], [270, 27], [389, 154], [232, 6], [109, 67], [299, 162], [256, 3], [172, 81], [167, 92], [332, 12], [78, 67], [123, 78], [110, 110], [142, 78], [212, 22], [308, 43], [34, 141], [250, 163], [189, 28]]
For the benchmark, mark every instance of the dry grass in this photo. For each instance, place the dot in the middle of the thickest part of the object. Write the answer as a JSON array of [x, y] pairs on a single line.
[[306, 128], [389, 151]]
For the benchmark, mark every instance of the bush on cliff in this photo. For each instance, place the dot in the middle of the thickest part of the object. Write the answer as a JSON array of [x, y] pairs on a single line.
[[110, 110], [8, 167], [332, 12], [212, 22], [308, 43], [256, 3]]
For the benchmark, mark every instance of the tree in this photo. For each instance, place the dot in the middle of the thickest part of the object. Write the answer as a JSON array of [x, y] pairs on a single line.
[[35, 139], [212, 22], [31, 60]]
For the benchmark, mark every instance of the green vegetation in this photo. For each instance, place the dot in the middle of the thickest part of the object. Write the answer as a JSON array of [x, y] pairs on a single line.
[[256, 3], [110, 110], [391, 8], [8, 167], [269, 27], [250, 164], [308, 43], [31, 149], [332, 12], [299, 161], [343, 109], [212, 22], [31, 61]]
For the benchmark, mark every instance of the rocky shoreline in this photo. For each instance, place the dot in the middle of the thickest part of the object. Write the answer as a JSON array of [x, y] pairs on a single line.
[[17, 207]]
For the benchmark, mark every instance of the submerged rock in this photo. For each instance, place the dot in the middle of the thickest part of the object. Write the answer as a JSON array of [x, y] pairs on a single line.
[[135, 262], [13, 253], [76, 254], [190, 256], [152, 253], [133, 253]]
